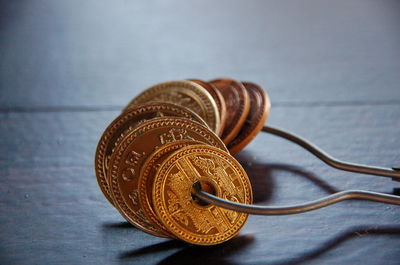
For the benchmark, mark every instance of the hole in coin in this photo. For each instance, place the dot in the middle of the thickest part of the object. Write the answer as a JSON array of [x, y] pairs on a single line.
[[206, 186]]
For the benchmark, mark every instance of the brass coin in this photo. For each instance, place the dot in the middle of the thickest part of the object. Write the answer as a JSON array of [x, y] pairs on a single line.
[[130, 154], [185, 93], [237, 106], [219, 100], [220, 174], [259, 110], [122, 125], [148, 172]]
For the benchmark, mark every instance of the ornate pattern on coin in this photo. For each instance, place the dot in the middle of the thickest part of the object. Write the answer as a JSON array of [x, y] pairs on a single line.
[[148, 173], [184, 93], [122, 125], [129, 156], [237, 106], [219, 100], [173, 202], [259, 110]]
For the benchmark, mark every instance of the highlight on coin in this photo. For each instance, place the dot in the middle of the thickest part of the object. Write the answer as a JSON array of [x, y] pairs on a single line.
[[166, 162], [171, 136]]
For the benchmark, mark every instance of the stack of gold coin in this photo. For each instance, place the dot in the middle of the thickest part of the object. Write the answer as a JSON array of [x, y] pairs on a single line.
[[171, 136]]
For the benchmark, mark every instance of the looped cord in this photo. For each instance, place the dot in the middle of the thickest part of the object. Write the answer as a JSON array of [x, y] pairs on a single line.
[[394, 172], [298, 208]]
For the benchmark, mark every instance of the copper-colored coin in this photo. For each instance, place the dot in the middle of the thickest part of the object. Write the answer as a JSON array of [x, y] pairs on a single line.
[[122, 125], [185, 93], [129, 156], [148, 172], [219, 173], [259, 110], [219, 100], [237, 106]]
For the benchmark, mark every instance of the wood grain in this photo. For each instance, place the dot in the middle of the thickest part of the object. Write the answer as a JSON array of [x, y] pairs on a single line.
[[95, 54], [68, 68]]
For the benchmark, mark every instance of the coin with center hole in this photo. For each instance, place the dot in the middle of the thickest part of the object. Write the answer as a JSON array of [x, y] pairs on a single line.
[[128, 157], [218, 173], [148, 172]]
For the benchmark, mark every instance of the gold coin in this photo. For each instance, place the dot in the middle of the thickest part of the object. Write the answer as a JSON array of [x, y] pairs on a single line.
[[219, 100], [122, 125], [259, 110], [185, 93], [219, 173], [237, 106], [130, 154], [148, 172]]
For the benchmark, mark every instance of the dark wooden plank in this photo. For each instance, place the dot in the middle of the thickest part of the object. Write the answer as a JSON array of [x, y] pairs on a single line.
[[52, 211], [66, 69], [51, 139], [91, 53]]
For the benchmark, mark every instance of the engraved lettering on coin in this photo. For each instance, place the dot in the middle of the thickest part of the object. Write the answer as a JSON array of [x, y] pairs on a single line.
[[134, 157], [174, 135], [134, 197], [122, 125], [133, 152], [128, 174]]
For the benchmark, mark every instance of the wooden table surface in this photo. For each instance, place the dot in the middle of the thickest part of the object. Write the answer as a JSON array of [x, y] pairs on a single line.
[[67, 68]]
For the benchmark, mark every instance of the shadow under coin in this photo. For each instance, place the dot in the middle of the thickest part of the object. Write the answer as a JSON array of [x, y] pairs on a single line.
[[118, 225], [159, 247], [261, 177], [218, 254], [302, 173]]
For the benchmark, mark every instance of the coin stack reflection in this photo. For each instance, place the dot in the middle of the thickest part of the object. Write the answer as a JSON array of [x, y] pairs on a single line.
[[173, 135]]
